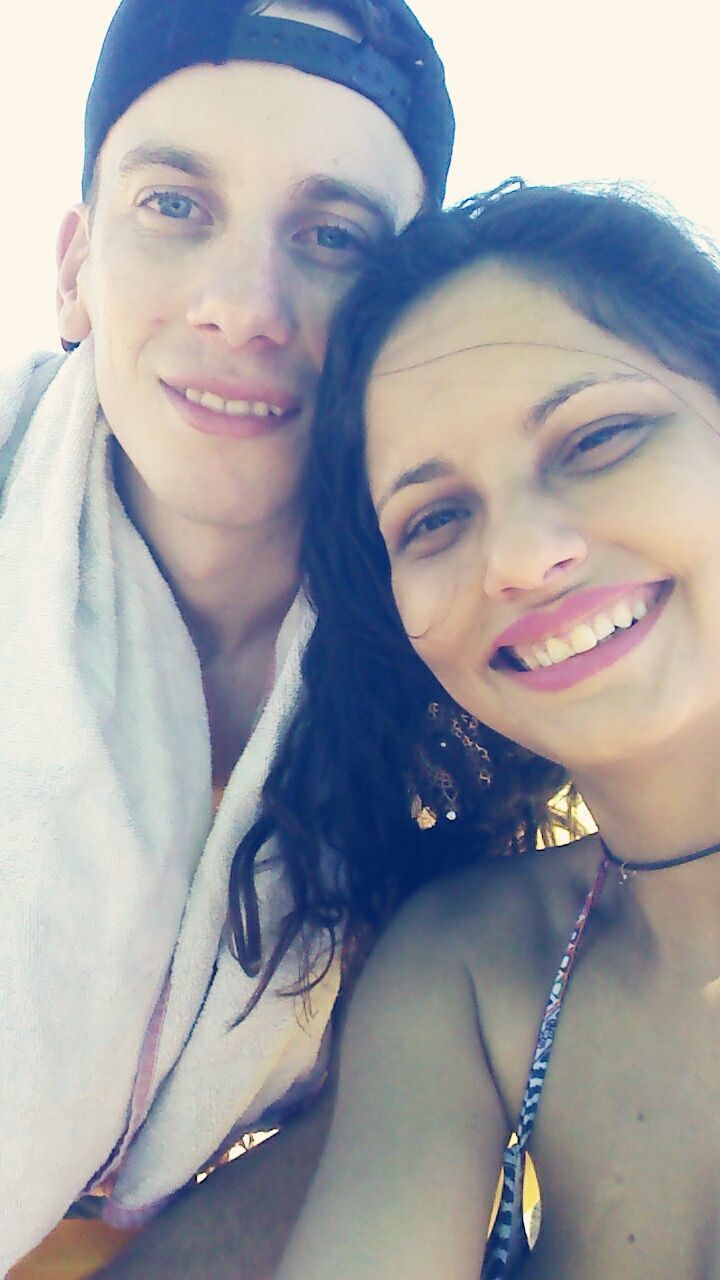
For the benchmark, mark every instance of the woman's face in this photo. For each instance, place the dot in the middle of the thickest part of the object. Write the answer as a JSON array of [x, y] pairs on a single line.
[[549, 498]]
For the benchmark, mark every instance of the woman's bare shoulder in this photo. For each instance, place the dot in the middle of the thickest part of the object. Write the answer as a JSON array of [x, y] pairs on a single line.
[[507, 922], [504, 920], [472, 956], [533, 895]]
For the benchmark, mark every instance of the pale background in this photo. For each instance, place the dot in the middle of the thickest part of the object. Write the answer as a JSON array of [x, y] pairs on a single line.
[[558, 90]]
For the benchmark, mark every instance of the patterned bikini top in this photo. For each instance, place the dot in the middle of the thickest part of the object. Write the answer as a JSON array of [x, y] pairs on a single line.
[[507, 1243]]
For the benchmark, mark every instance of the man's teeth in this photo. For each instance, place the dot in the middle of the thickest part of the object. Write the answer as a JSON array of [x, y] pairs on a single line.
[[236, 408], [583, 637]]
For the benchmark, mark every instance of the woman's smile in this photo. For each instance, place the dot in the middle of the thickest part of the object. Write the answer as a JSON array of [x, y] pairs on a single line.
[[529, 514], [548, 652]]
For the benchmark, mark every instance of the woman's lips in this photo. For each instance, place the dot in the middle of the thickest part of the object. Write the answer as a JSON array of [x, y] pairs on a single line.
[[576, 607], [556, 666]]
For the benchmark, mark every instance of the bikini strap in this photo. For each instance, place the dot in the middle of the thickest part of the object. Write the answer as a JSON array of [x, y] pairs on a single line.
[[508, 1244], [553, 1009]]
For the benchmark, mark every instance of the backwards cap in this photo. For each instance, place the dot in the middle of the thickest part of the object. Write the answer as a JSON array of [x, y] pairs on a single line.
[[150, 39]]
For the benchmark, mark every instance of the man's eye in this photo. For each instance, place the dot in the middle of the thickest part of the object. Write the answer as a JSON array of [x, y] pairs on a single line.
[[336, 238], [176, 206], [332, 244]]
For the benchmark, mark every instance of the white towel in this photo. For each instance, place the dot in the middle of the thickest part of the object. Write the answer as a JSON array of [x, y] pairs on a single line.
[[112, 871]]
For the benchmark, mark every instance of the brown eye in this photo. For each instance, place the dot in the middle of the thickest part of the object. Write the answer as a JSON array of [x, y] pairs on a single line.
[[603, 444], [436, 526]]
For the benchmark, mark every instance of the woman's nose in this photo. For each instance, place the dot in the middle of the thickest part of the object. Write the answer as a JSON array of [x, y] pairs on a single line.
[[530, 547]]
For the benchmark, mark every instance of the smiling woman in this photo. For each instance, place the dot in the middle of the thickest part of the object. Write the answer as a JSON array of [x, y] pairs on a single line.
[[512, 543], [581, 438]]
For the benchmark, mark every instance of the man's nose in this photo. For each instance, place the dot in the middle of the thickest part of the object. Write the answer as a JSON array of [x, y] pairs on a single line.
[[531, 545], [243, 292]]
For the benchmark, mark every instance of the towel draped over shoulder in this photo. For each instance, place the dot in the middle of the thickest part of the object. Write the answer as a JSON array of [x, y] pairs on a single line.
[[121, 1063]]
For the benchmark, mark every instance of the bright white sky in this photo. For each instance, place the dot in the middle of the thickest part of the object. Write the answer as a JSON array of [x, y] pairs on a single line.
[[556, 91]]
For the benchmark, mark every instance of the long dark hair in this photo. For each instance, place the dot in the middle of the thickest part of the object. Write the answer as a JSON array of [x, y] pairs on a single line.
[[362, 742]]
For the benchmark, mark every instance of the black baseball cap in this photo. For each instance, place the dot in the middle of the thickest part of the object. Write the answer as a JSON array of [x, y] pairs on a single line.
[[150, 39]]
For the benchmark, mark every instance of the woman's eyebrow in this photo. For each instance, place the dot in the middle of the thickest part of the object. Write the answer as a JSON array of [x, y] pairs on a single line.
[[433, 469], [541, 410]]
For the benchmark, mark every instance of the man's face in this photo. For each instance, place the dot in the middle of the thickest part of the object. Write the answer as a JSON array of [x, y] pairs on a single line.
[[234, 208]]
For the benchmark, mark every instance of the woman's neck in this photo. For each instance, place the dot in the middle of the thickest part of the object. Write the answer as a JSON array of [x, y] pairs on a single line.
[[664, 804]]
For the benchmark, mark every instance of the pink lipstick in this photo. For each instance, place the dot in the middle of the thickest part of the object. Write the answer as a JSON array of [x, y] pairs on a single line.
[[537, 650]]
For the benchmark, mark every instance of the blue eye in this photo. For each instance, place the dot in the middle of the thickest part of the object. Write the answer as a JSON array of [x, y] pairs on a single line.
[[175, 205], [336, 238], [330, 245]]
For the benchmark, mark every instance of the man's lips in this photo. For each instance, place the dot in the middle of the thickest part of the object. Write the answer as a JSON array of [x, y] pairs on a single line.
[[239, 409], [234, 391]]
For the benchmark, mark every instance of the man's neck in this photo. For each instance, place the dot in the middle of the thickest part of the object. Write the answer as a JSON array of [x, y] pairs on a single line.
[[233, 586]]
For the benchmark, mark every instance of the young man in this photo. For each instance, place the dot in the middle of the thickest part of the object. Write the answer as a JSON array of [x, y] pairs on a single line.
[[241, 161]]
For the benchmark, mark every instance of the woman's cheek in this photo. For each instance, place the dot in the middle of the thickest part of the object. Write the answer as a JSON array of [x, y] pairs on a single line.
[[427, 597]]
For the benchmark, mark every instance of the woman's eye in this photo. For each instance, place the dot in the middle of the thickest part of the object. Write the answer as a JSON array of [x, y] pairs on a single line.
[[603, 444], [176, 206], [437, 528]]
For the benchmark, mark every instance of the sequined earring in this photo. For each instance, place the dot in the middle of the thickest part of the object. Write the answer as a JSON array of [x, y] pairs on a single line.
[[440, 792]]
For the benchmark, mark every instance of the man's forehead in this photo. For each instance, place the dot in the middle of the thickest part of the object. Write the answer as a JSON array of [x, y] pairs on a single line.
[[315, 188], [272, 129]]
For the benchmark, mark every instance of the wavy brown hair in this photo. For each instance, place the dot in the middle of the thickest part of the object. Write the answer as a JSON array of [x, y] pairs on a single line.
[[362, 742]]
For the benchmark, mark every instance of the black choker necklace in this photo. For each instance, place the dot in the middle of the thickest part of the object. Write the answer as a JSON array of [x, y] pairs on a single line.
[[628, 869]]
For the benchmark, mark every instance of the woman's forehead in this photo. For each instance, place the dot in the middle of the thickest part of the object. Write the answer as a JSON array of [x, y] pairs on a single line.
[[493, 345], [492, 325], [490, 304]]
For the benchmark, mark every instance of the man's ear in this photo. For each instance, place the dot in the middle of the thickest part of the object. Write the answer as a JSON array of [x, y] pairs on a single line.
[[73, 246]]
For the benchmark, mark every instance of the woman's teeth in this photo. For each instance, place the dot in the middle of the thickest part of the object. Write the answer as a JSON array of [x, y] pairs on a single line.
[[236, 408], [582, 638]]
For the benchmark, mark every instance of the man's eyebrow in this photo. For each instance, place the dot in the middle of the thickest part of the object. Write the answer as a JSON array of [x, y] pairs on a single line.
[[542, 409], [328, 190], [193, 163], [433, 469]]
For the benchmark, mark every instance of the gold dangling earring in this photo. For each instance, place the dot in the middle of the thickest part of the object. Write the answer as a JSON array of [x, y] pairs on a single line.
[[441, 787]]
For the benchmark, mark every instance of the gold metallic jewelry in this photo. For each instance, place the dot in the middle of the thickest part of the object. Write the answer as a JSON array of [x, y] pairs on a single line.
[[441, 791]]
